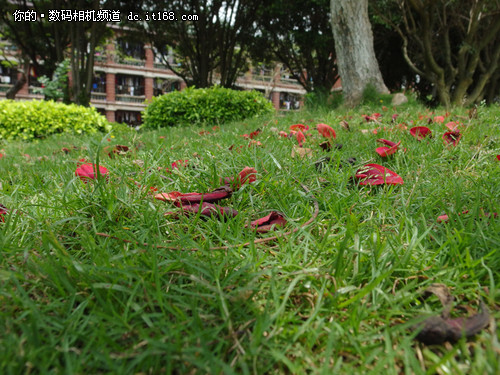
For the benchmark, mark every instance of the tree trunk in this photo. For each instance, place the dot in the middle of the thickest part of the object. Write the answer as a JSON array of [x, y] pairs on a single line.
[[12, 92], [358, 66]]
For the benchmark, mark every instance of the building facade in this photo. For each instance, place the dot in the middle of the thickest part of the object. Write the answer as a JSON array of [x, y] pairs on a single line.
[[127, 75]]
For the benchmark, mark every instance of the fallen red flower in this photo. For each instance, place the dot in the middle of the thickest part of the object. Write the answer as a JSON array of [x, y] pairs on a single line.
[[386, 151], [283, 134], [116, 150], [453, 126], [498, 157], [326, 131], [299, 127], [3, 211], [207, 209], [195, 198], [269, 222], [445, 218], [420, 132], [373, 117], [374, 174], [88, 171], [300, 137], [439, 119], [251, 135], [452, 137]]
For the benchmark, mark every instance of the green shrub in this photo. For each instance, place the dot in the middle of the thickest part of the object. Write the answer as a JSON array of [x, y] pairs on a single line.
[[38, 119], [204, 106]]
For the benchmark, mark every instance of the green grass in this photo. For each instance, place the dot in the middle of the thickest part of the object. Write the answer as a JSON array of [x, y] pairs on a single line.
[[337, 296]]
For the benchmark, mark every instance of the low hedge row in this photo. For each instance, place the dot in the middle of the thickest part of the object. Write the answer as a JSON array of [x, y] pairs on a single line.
[[38, 119], [213, 105]]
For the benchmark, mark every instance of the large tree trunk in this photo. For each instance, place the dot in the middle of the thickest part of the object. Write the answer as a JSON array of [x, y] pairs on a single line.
[[358, 66], [12, 92]]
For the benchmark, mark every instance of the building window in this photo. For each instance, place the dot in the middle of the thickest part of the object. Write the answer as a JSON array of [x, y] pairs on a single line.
[[99, 82], [131, 49], [164, 86], [132, 118], [289, 101], [129, 85]]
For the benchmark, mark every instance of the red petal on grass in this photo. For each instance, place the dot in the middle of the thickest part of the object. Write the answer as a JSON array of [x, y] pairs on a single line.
[[195, 198], [253, 142], [452, 137], [299, 127], [387, 142], [374, 174], [247, 174], [498, 157], [180, 163], [326, 131], [439, 119], [252, 135], [88, 171], [283, 134], [372, 117], [269, 222], [3, 211], [300, 137], [420, 132], [394, 117], [452, 125], [206, 209], [386, 151], [445, 218]]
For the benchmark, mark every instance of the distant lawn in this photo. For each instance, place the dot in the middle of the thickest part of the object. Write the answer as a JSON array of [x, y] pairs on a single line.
[[96, 279]]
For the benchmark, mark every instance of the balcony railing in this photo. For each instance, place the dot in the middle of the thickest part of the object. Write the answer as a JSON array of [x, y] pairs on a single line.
[[98, 96], [130, 61], [130, 99], [129, 90]]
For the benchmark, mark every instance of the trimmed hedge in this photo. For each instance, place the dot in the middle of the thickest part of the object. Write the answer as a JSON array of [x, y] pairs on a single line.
[[214, 105], [38, 119]]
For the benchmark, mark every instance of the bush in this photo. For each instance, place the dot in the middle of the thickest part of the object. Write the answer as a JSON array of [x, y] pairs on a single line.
[[204, 106], [38, 119]]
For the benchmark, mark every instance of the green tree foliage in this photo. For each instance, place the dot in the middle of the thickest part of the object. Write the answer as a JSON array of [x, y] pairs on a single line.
[[54, 88], [213, 47], [210, 106], [299, 35]]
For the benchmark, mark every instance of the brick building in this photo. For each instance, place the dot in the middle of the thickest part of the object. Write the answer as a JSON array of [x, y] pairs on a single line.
[[127, 75]]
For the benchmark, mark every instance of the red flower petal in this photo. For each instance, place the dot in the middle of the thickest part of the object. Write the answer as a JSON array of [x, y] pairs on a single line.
[[326, 131], [3, 211], [208, 209], [439, 119], [452, 137], [195, 198], [420, 132], [453, 126], [388, 143], [251, 135], [299, 127], [88, 171], [283, 134], [386, 151], [498, 157], [266, 223], [374, 174], [300, 137], [247, 174]]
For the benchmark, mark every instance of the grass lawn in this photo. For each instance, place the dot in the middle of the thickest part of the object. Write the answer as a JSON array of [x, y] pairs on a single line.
[[95, 279]]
